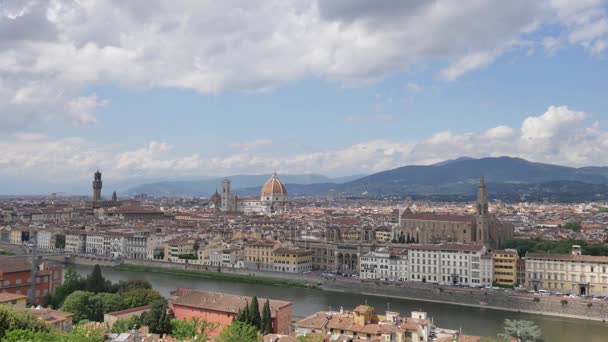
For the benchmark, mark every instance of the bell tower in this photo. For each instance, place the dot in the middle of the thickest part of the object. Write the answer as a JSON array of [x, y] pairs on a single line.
[[483, 214], [97, 184]]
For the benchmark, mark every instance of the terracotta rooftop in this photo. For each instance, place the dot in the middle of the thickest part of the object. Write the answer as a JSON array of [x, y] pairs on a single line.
[[7, 297], [14, 264], [223, 302]]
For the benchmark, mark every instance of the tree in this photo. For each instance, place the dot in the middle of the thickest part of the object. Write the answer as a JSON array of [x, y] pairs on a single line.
[[72, 282], [110, 302], [132, 284], [239, 316], [239, 332], [254, 313], [139, 297], [84, 305], [20, 335], [60, 241], [266, 319], [157, 318], [192, 329], [246, 318], [13, 319], [522, 330], [125, 325], [95, 281], [574, 226]]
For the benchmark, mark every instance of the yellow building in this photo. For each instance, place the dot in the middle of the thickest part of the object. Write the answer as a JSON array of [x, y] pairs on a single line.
[[239, 234], [568, 273], [505, 267], [178, 250], [292, 260], [15, 300], [258, 255]]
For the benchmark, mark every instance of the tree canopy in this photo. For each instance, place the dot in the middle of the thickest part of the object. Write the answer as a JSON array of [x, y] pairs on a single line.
[[522, 330], [239, 332]]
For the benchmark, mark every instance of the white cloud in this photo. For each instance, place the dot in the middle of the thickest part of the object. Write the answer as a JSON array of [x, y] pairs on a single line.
[[559, 135], [51, 50], [414, 88]]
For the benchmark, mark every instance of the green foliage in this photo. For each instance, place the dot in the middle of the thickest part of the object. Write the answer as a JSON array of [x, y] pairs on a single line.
[[139, 297], [188, 256], [522, 330], [556, 247], [20, 335], [96, 282], [157, 318], [132, 284], [266, 319], [110, 302], [93, 332], [254, 313], [192, 329], [13, 319], [311, 338], [60, 241], [239, 332], [574, 226], [84, 305], [72, 282], [125, 325]]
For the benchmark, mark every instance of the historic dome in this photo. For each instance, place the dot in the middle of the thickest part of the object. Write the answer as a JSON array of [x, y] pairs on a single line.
[[273, 187]]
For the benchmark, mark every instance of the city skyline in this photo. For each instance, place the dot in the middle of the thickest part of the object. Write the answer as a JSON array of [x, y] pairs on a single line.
[[298, 86]]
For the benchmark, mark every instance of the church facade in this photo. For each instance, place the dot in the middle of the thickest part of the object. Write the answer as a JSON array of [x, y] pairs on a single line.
[[273, 198], [482, 227]]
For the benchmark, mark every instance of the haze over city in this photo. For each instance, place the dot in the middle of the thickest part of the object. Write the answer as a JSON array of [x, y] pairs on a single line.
[[303, 170]]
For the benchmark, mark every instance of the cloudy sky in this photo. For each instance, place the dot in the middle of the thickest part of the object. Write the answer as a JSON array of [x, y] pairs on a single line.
[[179, 88]]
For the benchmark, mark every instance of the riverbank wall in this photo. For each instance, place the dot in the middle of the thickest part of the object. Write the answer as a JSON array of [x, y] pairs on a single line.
[[481, 298], [487, 299]]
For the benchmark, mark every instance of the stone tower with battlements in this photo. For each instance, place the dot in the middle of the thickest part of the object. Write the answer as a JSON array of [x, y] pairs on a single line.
[[483, 214], [97, 184]]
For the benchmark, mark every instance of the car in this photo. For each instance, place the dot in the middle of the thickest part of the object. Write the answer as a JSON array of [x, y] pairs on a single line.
[[558, 293], [531, 291]]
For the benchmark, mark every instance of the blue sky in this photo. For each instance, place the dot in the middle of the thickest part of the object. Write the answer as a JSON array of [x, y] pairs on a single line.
[[155, 90]]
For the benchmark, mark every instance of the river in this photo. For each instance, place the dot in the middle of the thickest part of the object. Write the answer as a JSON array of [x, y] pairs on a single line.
[[474, 321]]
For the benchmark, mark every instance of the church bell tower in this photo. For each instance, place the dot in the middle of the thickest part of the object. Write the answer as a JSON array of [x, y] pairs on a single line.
[[483, 214]]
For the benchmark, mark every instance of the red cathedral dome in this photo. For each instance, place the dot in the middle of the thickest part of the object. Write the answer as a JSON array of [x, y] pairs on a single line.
[[274, 186]]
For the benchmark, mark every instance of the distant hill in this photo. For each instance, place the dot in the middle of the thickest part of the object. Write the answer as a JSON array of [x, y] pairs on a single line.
[[457, 179], [206, 186]]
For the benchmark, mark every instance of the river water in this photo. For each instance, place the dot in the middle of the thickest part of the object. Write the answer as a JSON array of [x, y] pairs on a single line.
[[474, 321]]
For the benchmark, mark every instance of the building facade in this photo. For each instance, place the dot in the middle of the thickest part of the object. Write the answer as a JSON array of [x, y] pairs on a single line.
[[574, 273], [505, 267], [434, 228]]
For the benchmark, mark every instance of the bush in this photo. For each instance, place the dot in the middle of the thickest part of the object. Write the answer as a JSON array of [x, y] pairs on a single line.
[[13, 319]]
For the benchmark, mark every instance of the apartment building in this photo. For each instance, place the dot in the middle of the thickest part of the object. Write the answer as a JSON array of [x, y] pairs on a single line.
[[384, 265], [568, 273], [447, 264], [75, 242], [292, 260], [505, 267], [258, 255]]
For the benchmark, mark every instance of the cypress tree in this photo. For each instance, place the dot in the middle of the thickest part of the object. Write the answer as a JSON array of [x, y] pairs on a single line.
[[254, 313], [95, 281], [266, 319], [246, 318], [239, 316]]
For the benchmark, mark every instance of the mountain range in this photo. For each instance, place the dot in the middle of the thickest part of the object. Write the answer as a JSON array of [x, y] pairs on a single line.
[[507, 178]]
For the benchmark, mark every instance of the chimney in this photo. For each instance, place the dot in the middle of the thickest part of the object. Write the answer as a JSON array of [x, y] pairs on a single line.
[[341, 310]]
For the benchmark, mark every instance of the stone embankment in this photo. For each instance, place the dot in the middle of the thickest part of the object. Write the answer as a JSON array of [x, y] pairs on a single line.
[[493, 299]]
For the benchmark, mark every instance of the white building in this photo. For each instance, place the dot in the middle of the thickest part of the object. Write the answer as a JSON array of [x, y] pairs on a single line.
[[384, 265], [94, 243], [448, 264], [75, 242], [136, 245], [487, 270], [44, 239]]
